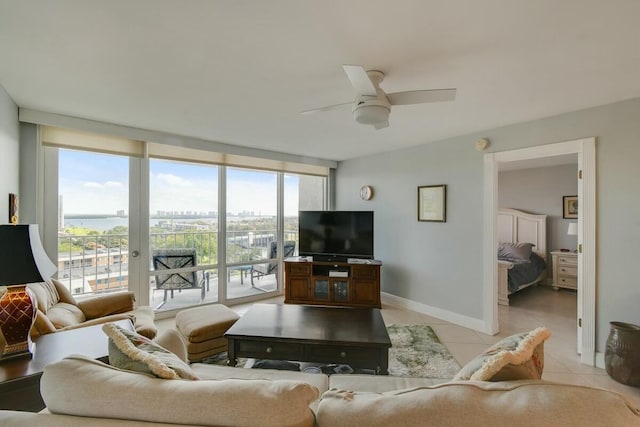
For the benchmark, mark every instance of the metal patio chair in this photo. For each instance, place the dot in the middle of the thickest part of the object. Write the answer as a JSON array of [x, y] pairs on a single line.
[[259, 270], [171, 259]]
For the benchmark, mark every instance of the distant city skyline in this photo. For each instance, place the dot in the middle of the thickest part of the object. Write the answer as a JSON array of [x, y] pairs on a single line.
[[98, 184], [122, 213]]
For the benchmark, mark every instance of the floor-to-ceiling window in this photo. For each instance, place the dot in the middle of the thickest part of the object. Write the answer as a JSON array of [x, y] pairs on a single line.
[[183, 234], [93, 229], [252, 231], [179, 227]]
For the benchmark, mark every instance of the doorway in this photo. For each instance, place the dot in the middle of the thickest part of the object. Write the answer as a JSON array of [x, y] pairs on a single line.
[[585, 149]]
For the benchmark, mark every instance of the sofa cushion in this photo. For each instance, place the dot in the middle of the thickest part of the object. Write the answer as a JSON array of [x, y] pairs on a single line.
[[217, 372], [30, 419], [517, 357], [519, 403], [81, 386], [380, 383], [46, 295], [63, 292], [64, 314], [134, 352]]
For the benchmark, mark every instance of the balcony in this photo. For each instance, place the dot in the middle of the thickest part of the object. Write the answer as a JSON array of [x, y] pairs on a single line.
[[91, 264]]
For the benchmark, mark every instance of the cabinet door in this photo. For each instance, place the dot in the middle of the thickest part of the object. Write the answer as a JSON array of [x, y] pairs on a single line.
[[371, 272], [298, 269], [298, 288], [366, 292], [321, 290], [341, 290]]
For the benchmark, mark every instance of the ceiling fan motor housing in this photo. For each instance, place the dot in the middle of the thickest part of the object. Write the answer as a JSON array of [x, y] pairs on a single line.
[[370, 110]]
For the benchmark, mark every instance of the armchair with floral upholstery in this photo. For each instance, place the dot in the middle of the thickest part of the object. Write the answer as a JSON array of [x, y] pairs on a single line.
[[59, 310]]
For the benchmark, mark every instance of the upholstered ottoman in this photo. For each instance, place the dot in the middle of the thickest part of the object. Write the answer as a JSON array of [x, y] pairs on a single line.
[[203, 329]]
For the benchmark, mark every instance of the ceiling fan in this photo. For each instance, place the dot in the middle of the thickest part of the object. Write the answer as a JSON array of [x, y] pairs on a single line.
[[372, 105]]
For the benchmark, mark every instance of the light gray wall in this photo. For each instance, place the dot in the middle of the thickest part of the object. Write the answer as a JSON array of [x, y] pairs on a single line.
[[438, 264], [28, 173], [10, 149], [540, 191], [441, 264]]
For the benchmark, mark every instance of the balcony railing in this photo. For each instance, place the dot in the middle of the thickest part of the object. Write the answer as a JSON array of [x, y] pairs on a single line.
[[100, 263]]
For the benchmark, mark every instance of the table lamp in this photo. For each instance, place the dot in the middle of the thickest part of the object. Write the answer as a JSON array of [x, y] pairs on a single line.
[[22, 260]]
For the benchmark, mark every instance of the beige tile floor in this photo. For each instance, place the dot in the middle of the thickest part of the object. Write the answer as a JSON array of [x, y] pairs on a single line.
[[530, 308]]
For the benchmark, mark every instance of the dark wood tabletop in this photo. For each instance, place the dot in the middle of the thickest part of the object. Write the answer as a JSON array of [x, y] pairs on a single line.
[[306, 323], [313, 334]]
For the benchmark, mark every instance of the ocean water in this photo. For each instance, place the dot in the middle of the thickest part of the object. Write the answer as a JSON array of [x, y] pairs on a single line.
[[101, 224]]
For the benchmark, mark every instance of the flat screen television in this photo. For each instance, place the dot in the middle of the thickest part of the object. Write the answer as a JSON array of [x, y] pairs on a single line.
[[336, 235]]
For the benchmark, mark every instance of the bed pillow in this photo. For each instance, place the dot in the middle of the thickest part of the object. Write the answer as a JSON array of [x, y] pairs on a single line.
[[518, 357], [515, 251], [134, 352]]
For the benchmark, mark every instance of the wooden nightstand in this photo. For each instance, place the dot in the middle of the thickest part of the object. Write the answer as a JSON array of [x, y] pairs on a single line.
[[565, 270]]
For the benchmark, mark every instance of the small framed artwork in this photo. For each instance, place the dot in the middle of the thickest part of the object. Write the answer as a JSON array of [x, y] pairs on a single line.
[[432, 203], [570, 207], [13, 208]]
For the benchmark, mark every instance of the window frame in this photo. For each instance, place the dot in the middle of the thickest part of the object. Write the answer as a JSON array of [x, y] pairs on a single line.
[[139, 272]]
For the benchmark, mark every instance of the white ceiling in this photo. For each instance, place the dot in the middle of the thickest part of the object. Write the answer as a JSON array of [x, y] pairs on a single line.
[[239, 72]]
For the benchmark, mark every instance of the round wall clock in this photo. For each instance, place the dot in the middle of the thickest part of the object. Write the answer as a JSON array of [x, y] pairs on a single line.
[[366, 192]]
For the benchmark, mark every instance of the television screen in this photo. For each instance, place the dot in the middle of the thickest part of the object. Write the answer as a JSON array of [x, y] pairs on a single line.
[[336, 234]]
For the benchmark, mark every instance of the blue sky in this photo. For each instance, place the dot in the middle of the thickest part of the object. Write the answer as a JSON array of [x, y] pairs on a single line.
[[98, 184]]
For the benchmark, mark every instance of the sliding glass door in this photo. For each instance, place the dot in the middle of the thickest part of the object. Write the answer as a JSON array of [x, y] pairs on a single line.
[[183, 234], [252, 232], [178, 233], [93, 221]]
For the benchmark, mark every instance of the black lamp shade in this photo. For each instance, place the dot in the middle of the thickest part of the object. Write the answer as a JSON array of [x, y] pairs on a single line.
[[22, 257]]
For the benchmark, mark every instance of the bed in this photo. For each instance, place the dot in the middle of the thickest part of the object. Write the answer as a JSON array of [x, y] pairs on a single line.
[[522, 251]]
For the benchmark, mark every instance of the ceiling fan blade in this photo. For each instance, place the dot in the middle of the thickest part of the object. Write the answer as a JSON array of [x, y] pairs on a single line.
[[327, 108], [421, 96], [381, 125], [360, 80]]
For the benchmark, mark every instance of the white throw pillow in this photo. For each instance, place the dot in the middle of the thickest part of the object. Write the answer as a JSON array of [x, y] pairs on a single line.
[[134, 352]]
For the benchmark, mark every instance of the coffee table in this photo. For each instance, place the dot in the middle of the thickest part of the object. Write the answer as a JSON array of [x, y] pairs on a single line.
[[352, 336]]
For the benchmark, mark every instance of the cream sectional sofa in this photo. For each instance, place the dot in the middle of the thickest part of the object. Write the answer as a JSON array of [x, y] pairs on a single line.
[[82, 392]]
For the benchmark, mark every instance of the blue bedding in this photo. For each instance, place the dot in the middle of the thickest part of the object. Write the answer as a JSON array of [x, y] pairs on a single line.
[[524, 272]]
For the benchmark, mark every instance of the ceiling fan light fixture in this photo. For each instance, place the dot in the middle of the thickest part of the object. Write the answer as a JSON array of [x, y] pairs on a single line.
[[372, 105], [371, 114]]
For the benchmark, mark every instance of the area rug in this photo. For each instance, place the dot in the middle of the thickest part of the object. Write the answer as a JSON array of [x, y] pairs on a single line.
[[416, 352]]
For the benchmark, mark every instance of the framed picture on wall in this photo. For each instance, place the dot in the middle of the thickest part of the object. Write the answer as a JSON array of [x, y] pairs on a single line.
[[432, 203], [570, 207]]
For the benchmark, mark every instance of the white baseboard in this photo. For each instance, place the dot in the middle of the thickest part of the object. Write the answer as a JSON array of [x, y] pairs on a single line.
[[449, 316]]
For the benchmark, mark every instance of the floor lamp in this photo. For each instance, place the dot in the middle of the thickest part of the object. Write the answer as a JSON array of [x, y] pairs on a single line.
[[22, 260]]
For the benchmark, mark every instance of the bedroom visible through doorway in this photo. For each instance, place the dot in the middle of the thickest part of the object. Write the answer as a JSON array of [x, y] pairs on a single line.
[[585, 270], [530, 203]]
